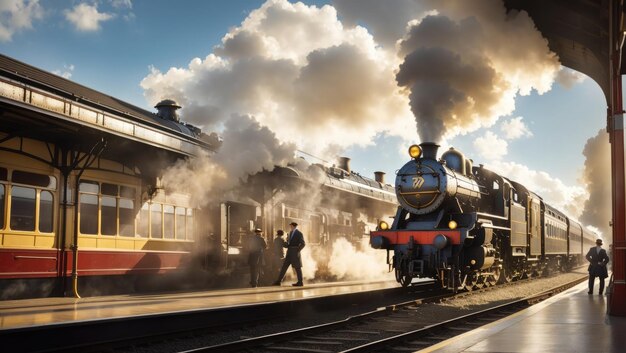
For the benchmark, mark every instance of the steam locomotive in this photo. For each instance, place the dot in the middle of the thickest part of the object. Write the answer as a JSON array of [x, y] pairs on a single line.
[[468, 227]]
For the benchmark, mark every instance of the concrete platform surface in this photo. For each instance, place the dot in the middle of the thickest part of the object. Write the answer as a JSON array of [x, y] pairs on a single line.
[[45, 311], [572, 321]]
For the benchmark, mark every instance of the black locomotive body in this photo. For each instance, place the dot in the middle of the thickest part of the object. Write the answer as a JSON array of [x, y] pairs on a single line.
[[467, 227]]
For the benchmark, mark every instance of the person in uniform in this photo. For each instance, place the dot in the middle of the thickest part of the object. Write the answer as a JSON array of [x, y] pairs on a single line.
[[295, 244], [598, 259], [255, 256]]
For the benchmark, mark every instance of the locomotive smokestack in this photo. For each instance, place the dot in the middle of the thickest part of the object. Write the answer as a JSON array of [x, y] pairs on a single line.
[[379, 177], [429, 150], [344, 163], [167, 110]]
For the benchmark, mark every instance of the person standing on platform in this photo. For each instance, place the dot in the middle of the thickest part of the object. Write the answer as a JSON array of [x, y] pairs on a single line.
[[295, 244], [255, 256], [277, 254], [598, 259]]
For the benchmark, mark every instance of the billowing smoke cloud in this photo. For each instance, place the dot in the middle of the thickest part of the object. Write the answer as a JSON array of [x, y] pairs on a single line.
[[299, 72], [464, 71], [597, 176], [248, 148]]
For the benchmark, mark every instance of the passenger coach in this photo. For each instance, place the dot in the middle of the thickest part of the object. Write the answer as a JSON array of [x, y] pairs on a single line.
[[79, 188]]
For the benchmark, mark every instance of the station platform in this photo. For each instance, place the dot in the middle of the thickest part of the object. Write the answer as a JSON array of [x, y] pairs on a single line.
[[572, 321], [48, 311]]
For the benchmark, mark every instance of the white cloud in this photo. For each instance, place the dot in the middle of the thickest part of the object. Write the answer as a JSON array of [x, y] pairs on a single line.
[[298, 71], [17, 15], [490, 146], [122, 4], [567, 198], [515, 128], [86, 18], [567, 77], [66, 72]]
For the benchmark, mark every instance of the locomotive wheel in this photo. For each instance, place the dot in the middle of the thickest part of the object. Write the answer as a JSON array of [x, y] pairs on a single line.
[[506, 276], [480, 281], [403, 279], [492, 279], [529, 272], [471, 280]]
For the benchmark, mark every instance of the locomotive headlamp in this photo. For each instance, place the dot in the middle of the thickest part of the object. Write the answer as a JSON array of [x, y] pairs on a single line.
[[415, 151], [383, 225], [440, 241], [452, 224]]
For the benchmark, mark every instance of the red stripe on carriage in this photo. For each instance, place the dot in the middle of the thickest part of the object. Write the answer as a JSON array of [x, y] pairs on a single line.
[[419, 236]]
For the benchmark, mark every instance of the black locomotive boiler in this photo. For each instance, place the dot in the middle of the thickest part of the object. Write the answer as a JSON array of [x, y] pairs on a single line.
[[468, 227]]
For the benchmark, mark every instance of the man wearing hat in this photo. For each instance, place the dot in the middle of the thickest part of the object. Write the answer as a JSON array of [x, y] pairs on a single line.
[[295, 243], [598, 259], [255, 256]]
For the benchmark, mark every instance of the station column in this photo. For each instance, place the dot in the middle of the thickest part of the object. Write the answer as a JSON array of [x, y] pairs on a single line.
[[615, 126]]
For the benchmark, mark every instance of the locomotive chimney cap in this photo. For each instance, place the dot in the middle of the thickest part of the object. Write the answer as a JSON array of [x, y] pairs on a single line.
[[166, 109], [167, 103], [429, 150]]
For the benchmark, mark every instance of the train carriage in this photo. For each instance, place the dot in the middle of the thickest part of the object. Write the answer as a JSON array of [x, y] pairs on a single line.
[[79, 188]]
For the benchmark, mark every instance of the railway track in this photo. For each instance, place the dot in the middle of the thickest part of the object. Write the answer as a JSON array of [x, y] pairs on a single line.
[[114, 334], [397, 326]]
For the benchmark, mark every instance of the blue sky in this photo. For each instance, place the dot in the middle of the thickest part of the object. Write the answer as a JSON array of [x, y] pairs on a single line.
[[117, 52]]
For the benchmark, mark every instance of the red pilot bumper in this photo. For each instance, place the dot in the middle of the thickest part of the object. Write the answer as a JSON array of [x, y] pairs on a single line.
[[419, 236]]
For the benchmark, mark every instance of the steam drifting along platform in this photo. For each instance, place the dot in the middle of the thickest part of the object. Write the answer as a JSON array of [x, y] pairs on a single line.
[[572, 321]]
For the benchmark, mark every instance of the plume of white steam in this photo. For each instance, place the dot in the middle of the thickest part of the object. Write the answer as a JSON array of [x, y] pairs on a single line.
[[299, 72], [349, 263], [464, 71], [248, 148], [597, 210]]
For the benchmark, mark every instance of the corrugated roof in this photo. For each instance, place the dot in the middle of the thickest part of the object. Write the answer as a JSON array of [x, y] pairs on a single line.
[[42, 79]]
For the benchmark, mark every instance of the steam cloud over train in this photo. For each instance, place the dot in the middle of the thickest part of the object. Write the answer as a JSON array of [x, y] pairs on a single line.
[[468, 227]]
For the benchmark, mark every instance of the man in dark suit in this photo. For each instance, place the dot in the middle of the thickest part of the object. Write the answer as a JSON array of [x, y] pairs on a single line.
[[256, 248], [295, 243], [598, 259]]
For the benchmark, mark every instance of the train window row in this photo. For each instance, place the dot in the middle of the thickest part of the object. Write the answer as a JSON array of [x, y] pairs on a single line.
[[27, 201], [161, 221], [109, 210], [554, 231]]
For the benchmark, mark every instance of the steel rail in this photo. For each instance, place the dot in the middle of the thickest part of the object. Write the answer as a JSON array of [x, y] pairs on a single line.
[[388, 342], [256, 343]]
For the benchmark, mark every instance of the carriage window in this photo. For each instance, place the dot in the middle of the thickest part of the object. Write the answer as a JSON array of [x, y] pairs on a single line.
[[189, 224], [108, 211], [88, 214], [127, 217], [109, 189], [127, 191], [23, 208], [496, 186], [1, 205], [168, 221], [144, 221], [3, 174], [34, 179], [89, 186], [46, 212], [156, 221], [180, 223]]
